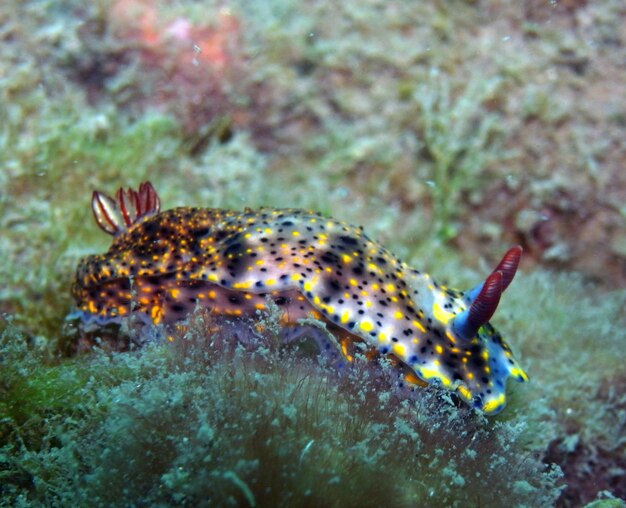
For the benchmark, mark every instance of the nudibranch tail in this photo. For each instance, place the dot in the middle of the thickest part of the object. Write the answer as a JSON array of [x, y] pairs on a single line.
[[129, 206]]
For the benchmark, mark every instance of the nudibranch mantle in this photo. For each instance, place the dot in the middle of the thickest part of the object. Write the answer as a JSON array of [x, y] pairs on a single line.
[[163, 264]]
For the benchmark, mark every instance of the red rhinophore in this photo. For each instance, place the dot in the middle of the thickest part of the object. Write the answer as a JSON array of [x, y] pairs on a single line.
[[486, 303], [148, 200], [128, 207], [104, 210], [508, 265]]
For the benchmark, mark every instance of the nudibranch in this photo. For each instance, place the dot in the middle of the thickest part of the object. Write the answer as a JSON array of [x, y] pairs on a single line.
[[162, 265]]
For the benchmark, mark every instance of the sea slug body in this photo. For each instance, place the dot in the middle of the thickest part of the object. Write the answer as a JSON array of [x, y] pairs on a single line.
[[162, 265]]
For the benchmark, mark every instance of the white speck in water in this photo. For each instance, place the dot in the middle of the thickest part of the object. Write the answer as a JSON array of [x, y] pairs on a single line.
[[431, 183], [196, 52], [506, 38]]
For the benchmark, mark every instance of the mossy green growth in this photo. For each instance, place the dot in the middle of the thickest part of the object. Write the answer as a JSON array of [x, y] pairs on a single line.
[[458, 139], [606, 503], [33, 377], [210, 419]]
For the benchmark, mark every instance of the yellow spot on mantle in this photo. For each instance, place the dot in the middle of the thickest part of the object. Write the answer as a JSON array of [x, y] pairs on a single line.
[[156, 313], [465, 394], [399, 349], [366, 326], [517, 372], [345, 316], [435, 373], [441, 315], [419, 326], [494, 404]]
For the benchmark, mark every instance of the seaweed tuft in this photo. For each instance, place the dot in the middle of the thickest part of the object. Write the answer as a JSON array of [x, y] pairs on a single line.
[[231, 418]]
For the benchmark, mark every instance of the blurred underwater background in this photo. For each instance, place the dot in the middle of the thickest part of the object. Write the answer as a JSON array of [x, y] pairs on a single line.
[[449, 129]]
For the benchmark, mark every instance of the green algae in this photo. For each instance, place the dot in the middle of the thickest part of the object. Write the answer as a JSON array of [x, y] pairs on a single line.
[[460, 140], [204, 420]]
